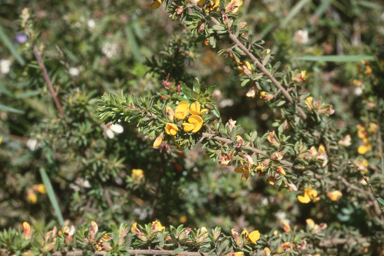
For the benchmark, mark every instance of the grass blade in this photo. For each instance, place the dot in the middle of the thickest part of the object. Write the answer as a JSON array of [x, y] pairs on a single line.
[[10, 109], [293, 12], [51, 194], [11, 47], [337, 58], [133, 44]]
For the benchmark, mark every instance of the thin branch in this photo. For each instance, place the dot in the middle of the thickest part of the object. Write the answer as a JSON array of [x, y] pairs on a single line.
[[371, 196], [256, 62], [47, 79], [228, 141], [336, 241]]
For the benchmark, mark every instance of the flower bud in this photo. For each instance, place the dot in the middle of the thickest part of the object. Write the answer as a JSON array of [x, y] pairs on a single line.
[[179, 10], [158, 141]]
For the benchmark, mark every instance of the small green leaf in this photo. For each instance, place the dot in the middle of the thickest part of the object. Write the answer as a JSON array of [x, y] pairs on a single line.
[[10, 109], [380, 200]]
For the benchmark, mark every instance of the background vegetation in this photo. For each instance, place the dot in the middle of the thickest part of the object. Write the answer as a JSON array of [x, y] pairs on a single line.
[[93, 47]]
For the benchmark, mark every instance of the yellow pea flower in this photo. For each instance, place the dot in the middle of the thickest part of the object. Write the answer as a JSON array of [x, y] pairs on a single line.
[[281, 170], [199, 2], [156, 226], [194, 124], [244, 171], [233, 6], [171, 129], [309, 101], [158, 141], [245, 68], [134, 228], [195, 109], [137, 174], [335, 195], [286, 226], [156, 4], [251, 237], [27, 230], [308, 195], [212, 7], [31, 196], [182, 110], [40, 188], [237, 254]]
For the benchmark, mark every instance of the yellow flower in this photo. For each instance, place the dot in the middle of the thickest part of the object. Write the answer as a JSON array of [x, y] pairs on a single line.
[[253, 236], [364, 148], [158, 141], [27, 230], [335, 195], [137, 174], [262, 166], [373, 127], [31, 196], [183, 219], [212, 7], [194, 125], [240, 141], [271, 181], [40, 188], [171, 129], [156, 4], [309, 101], [251, 93], [267, 251], [286, 226], [182, 110], [358, 83], [233, 6], [281, 170], [156, 226], [303, 76], [195, 109], [346, 142], [266, 96], [362, 165], [134, 228], [308, 195], [237, 254], [199, 2], [310, 223], [245, 68], [244, 171]]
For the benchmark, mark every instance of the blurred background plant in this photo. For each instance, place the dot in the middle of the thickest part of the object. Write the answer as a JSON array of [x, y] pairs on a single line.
[[111, 173]]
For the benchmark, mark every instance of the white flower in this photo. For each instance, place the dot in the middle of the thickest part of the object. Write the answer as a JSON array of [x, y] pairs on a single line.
[[281, 216], [110, 130], [301, 36], [358, 91], [109, 50], [32, 144], [226, 103], [91, 23], [74, 71], [5, 66]]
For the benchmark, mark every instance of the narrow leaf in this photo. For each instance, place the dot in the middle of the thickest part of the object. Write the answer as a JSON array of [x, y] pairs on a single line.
[[51, 194], [11, 47], [336, 58]]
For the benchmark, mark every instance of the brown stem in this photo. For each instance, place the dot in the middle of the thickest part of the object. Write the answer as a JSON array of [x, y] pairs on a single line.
[[351, 186], [47, 79], [257, 63]]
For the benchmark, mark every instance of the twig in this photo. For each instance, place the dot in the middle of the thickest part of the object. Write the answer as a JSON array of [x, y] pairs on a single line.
[[256, 62], [336, 241], [47, 79]]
